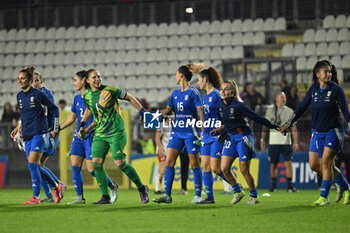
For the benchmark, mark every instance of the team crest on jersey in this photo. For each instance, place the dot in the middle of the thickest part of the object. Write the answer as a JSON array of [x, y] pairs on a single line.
[[329, 93], [232, 110], [175, 97], [210, 99], [102, 97], [186, 97], [32, 99]]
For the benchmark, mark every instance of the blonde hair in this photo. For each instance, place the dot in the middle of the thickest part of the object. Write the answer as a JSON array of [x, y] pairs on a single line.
[[29, 71], [235, 90], [196, 68]]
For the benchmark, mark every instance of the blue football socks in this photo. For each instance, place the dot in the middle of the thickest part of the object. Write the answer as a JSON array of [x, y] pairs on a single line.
[[36, 178], [208, 184], [325, 188], [77, 180], [197, 179], [168, 179]]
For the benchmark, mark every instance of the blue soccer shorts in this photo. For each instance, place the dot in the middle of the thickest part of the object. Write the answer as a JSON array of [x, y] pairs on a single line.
[[213, 149], [239, 145], [81, 147], [36, 144], [332, 139], [49, 147], [178, 143]]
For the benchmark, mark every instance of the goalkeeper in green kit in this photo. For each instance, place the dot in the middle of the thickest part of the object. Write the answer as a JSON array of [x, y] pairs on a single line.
[[102, 101]]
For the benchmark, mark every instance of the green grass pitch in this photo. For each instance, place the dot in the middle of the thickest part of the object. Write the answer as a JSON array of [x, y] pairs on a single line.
[[282, 212]]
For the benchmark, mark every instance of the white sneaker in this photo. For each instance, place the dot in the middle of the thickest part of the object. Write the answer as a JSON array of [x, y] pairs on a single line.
[[253, 200], [196, 199], [114, 192], [182, 192], [237, 197], [78, 200]]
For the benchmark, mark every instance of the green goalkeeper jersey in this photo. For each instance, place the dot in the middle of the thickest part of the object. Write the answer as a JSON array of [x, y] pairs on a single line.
[[105, 107]]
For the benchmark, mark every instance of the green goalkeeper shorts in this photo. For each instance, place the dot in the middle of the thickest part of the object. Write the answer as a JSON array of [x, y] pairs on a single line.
[[101, 145]]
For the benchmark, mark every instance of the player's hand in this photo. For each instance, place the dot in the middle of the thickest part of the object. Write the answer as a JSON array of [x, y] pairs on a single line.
[[215, 132], [262, 144], [53, 133], [15, 131], [283, 129], [141, 113], [82, 133], [295, 146]]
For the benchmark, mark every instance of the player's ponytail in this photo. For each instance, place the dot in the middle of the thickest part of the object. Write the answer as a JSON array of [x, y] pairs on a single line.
[[185, 71], [196, 68], [82, 75], [29, 71], [213, 76]]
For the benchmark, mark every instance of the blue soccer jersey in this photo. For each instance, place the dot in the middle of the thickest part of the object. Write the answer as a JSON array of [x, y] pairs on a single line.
[[79, 108], [210, 110], [33, 116], [48, 93], [184, 104]]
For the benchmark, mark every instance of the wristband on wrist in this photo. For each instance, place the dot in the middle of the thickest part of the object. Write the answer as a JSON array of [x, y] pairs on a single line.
[[82, 124]]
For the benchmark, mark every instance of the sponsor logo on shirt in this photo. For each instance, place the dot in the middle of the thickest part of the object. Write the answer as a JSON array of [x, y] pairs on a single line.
[[186, 97]]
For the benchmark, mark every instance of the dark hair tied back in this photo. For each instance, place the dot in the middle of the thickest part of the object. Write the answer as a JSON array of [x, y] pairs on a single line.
[[186, 72], [83, 74], [29, 71]]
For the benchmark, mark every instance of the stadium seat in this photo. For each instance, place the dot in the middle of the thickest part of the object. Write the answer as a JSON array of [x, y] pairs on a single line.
[[183, 53], [162, 29], [39, 59], [131, 30], [343, 34], [8, 73], [336, 60], [345, 62], [194, 54], [162, 42], [131, 43], [237, 25], [344, 48], [215, 40], [90, 45], [311, 61], [259, 38], [101, 31], [331, 35], [10, 47], [328, 21], [247, 25], [226, 26], [19, 60], [162, 68], [173, 29], [310, 49], [321, 49], [69, 72], [184, 41], [79, 45], [151, 42], [111, 44], [333, 48], [269, 24], [68, 58], [2, 61], [31, 34], [287, 50], [79, 58], [59, 58], [280, 24], [299, 49], [40, 46], [69, 45], [204, 27], [215, 27], [111, 31], [60, 46], [258, 25], [173, 42], [111, 57], [80, 32], [216, 53], [20, 47], [301, 63], [248, 38], [173, 54], [9, 60], [100, 44], [50, 46], [3, 34], [340, 21], [40, 34], [152, 55], [119, 70], [141, 42], [320, 35], [70, 33], [49, 59], [140, 56], [121, 56], [11, 35], [238, 52], [226, 39], [237, 39], [152, 29], [309, 35], [121, 31], [21, 34], [60, 33], [90, 32], [50, 33], [194, 40], [121, 44]]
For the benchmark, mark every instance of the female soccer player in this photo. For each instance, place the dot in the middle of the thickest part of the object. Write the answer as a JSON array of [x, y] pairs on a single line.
[[210, 80], [102, 102], [81, 149], [327, 99], [33, 125], [50, 145], [187, 105], [239, 142]]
